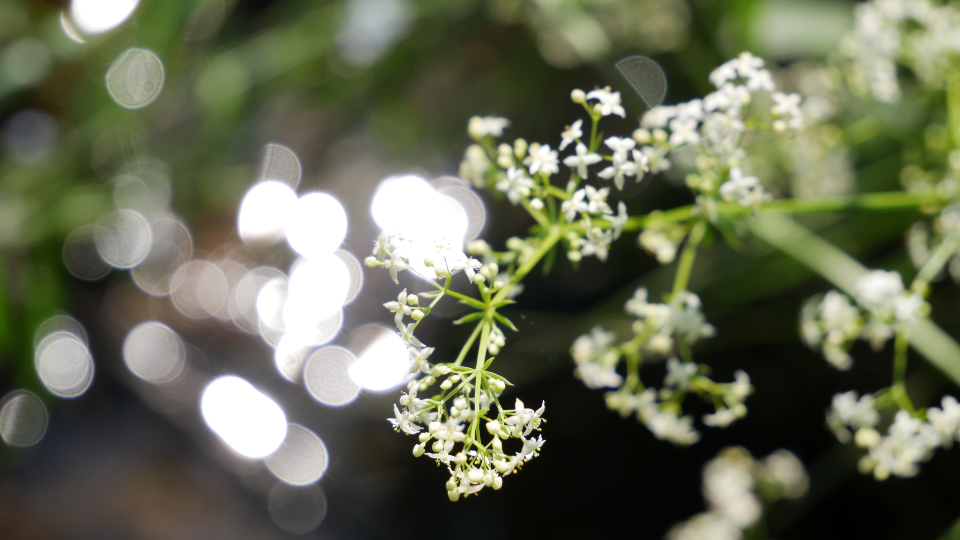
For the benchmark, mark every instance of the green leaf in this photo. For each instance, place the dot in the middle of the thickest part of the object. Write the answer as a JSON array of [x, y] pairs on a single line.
[[505, 321], [503, 303], [475, 304], [430, 294], [469, 318]]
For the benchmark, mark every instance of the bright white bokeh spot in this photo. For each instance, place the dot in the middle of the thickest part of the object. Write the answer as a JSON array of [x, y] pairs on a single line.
[[135, 78], [316, 225], [97, 16], [394, 210], [383, 359], [472, 206], [154, 352], [327, 376], [59, 323], [198, 289], [371, 27], [297, 510], [264, 211], [280, 163], [64, 364], [23, 418], [317, 290], [294, 347], [248, 421], [123, 239], [302, 458], [270, 301], [242, 304], [356, 273]]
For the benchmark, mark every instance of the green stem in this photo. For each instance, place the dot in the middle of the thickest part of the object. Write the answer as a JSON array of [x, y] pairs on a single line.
[[469, 343], [685, 266], [546, 244], [878, 202], [947, 248], [900, 345]]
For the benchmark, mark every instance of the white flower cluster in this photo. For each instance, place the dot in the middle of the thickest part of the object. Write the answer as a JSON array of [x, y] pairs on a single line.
[[730, 487], [831, 323], [715, 126], [909, 441], [657, 330], [390, 252], [917, 33], [454, 417]]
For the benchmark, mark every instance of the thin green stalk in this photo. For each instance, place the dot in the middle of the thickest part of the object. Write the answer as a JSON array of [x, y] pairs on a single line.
[[898, 389], [948, 248], [469, 343], [546, 244], [685, 266]]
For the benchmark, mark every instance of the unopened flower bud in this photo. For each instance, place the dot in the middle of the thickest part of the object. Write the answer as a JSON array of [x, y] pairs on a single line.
[[497, 285], [536, 204], [451, 484], [371, 262], [460, 458], [493, 349], [453, 494], [493, 427], [424, 437], [416, 315], [659, 135], [434, 426], [641, 135], [428, 262], [446, 385], [437, 445], [574, 256], [520, 148], [475, 476], [479, 279], [441, 272], [460, 403], [497, 445], [578, 96], [413, 300], [418, 449], [497, 482], [455, 378], [867, 437]]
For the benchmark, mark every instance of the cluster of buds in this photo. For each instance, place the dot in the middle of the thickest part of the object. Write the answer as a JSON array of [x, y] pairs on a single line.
[[458, 429]]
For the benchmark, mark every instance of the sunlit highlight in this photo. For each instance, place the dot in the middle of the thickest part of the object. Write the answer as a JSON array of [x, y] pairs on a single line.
[[316, 225], [97, 16], [382, 359], [264, 210], [135, 78], [317, 290], [123, 239], [64, 364], [249, 422]]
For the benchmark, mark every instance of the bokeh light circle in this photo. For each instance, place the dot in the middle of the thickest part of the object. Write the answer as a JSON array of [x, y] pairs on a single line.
[[383, 358], [154, 352], [297, 510], [326, 376], [23, 418], [264, 211], [97, 16], [302, 458], [135, 78], [248, 421], [123, 239], [64, 364], [316, 225]]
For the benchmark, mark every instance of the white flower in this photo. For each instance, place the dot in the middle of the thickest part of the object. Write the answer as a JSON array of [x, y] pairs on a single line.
[[582, 160], [618, 170], [617, 222], [684, 132], [574, 204], [667, 426], [946, 421], [399, 306], [855, 413], [529, 447], [542, 159], [516, 184], [418, 359], [481, 126], [609, 102], [590, 346], [571, 134], [597, 200], [620, 147], [746, 190], [879, 290], [721, 418], [403, 421], [679, 374], [597, 242], [406, 332]]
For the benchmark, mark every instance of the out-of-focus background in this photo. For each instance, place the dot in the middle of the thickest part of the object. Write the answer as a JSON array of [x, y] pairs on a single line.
[[135, 260]]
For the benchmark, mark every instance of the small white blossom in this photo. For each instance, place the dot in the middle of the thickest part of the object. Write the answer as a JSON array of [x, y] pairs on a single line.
[[574, 204], [516, 184], [581, 160], [481, 126], [571, 134], [609, 102], [542, 159]]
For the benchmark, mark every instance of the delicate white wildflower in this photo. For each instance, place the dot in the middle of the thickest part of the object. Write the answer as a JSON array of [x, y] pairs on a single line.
[[597, 242], [728, 485], [597, 200], [571, 134], [399, 306], [946, 420], [746, 190], [581, 160], [574, 204], [617, 222], [684, 132], [659, 244], [609, 102], [786, 111], [516, 184], [667, 426], [909, 442], [481, 126], [679, 374], [542, 160]]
